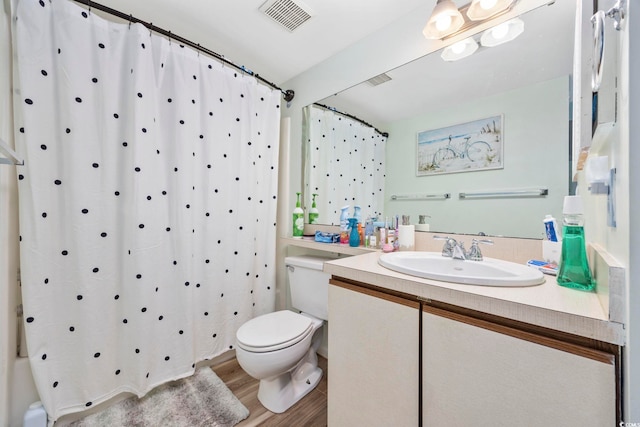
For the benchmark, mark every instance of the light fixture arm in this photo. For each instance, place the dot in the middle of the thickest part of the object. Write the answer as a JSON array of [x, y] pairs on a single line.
[[617, 13]]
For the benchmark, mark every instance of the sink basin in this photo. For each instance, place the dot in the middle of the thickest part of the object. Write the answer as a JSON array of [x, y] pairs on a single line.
[[489, 272]]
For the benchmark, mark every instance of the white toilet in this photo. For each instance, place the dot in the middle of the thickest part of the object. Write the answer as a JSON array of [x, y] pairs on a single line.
[[279, 348]]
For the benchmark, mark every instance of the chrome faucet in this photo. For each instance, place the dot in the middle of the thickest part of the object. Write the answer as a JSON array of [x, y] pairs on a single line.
[[459, 252], [454, 249], [474, 253]]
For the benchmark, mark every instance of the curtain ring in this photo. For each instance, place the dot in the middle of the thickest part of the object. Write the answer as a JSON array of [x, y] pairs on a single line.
[[89, 4], [198, 50], [130, 19], [150, 28], [169, 38]]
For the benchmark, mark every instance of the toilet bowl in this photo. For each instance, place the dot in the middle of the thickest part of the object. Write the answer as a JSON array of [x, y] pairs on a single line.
[[279, 348]]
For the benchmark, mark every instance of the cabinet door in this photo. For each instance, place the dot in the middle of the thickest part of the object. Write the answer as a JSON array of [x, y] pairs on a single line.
[[373, 358], [476, 373]]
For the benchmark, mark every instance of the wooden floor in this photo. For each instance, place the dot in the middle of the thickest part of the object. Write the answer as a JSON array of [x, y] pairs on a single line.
[[310, 411]]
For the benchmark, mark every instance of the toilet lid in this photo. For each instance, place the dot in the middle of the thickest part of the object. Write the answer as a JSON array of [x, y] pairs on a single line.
[[274, 330]]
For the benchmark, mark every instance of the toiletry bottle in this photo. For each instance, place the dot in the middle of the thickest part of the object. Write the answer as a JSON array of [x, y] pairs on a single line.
[[368, 232], [391, 237], [382, 240], [354, 236], [361, 233], [396, 242], [344, 224], [373, 238], [391, 233], [357, 213], [551, 228], [313, 212], [574, 268], [298, 220]]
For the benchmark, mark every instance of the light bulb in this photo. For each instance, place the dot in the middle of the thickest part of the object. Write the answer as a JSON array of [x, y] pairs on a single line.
[[443, 22], [459, 47], [487, 4], [499, 31]]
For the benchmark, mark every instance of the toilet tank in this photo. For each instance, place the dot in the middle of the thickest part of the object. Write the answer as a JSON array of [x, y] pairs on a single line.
[[308, 285]]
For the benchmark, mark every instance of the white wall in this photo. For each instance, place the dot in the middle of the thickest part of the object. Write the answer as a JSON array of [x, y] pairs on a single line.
[[630, 139], [623, 241], [536, 155], [17, 389]]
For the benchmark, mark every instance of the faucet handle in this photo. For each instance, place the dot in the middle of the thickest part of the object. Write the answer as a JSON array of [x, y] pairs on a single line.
[[449, 244], [475, 254]]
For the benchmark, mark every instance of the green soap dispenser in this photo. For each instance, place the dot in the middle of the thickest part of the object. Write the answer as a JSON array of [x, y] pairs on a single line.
[[298, 220], [574, 268], [313, 213]]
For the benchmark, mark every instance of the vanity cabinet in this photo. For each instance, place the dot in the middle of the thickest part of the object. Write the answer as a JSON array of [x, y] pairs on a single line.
[[374, 371], [479, 373], [397, 360]]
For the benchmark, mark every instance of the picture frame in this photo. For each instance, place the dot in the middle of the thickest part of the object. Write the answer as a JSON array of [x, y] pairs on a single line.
[[466, 147]]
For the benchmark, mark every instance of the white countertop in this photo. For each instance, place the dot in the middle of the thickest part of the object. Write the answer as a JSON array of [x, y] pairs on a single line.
[[548, 305]]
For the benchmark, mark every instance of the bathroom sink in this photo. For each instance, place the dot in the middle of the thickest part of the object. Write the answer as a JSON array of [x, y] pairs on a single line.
[[489, 272]]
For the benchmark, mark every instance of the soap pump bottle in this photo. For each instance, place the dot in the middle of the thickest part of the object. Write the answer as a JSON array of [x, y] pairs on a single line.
[[574, 268], [298, 220], [313, 212]]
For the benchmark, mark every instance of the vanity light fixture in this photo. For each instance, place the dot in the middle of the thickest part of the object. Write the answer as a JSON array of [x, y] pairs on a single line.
[[502, 33], [483, 9], [444, 20], [460, 49]]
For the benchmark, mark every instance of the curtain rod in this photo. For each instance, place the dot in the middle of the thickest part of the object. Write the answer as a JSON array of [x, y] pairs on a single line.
[[287, 94], [385, 134]]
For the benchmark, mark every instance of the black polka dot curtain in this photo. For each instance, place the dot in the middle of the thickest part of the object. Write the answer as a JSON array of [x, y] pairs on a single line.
[[147, 204], [344, 165]]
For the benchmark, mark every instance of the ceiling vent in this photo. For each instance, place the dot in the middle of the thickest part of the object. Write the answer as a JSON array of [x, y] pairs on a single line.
[[287, 13], [379, 79]]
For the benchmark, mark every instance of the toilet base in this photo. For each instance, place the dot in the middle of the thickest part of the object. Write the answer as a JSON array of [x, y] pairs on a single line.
[[279, 393]]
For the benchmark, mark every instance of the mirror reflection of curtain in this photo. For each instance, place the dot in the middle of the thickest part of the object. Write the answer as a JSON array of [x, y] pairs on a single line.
[[344, 164]]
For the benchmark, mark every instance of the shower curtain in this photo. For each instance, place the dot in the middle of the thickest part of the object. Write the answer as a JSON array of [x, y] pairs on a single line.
[[344, 165], [147, 203]]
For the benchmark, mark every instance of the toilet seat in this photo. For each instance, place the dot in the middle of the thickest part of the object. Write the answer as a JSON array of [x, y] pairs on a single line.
[[274, 331]]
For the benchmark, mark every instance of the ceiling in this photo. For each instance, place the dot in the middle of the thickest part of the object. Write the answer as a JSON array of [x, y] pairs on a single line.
[[543, 52], [242, 33]]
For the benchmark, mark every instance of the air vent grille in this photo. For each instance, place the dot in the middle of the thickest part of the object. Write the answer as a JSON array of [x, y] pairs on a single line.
[[379, 79], [287, 13]]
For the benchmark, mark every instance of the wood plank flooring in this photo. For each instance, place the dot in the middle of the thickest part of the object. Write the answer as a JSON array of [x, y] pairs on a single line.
[[310, 411]]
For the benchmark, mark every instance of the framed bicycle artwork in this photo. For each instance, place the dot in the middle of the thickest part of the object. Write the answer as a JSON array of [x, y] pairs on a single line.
[[466, 147]]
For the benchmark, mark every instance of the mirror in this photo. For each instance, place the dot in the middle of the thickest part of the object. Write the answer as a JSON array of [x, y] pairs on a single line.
[[526, 82]]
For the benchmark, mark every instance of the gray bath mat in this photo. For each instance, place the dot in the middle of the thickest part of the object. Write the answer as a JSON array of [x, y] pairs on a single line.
[[199, 400]]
